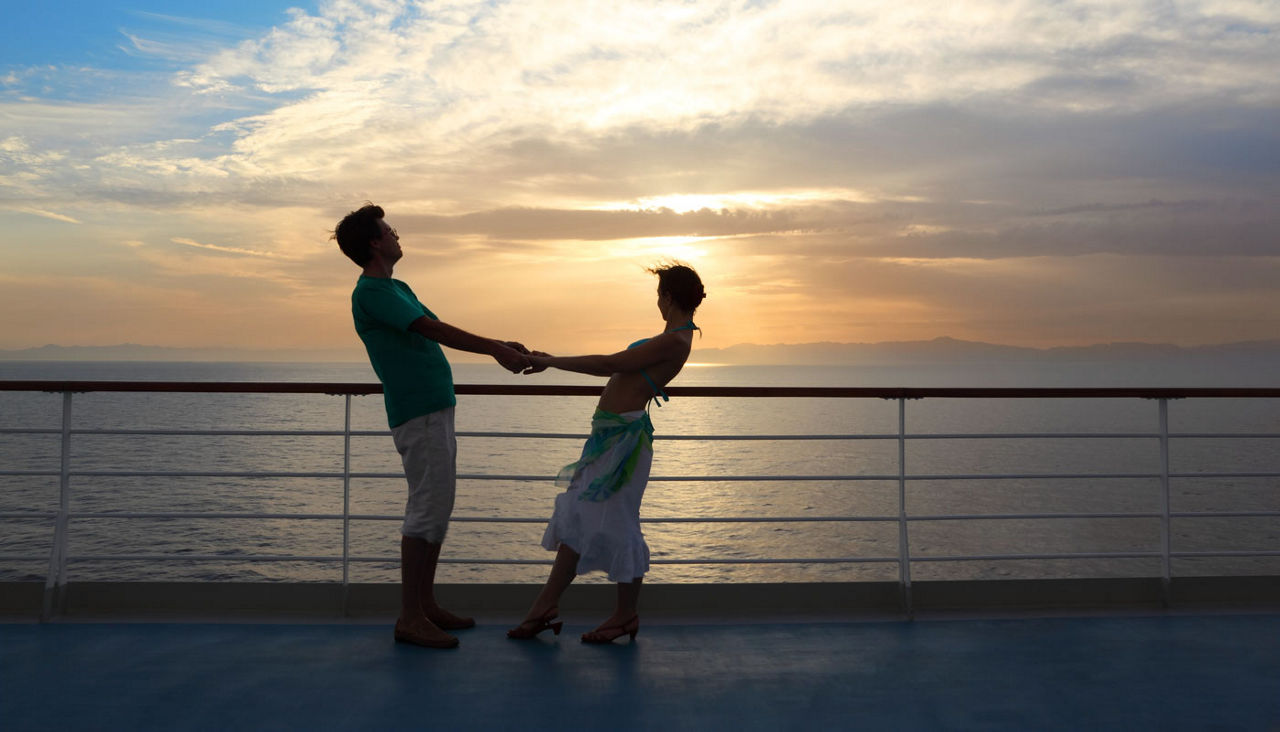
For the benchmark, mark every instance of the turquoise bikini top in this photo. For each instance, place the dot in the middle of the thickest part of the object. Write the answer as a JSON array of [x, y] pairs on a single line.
[[657, 390]]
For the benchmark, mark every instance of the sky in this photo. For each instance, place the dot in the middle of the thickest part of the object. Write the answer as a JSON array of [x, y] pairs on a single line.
[[1021, 172]]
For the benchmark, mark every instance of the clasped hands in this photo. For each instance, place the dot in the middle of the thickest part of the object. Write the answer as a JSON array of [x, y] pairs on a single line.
[[528, 362]]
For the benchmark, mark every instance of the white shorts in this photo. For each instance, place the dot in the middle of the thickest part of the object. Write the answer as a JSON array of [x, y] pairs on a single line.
[[429, 451]]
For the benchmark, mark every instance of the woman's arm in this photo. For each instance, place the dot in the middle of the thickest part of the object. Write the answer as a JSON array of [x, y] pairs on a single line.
[[653, 352]]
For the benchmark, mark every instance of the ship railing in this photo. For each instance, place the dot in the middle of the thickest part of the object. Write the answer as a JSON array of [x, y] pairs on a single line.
[[58, 557]]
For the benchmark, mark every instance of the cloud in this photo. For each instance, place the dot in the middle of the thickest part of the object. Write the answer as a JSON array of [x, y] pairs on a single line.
[[177, 38], [50, 215], [362, 91], [886, 165], [225, 249], [921, 229], [463, 77], [527, 224]]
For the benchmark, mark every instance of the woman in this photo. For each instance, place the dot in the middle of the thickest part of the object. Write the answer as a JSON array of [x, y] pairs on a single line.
[[596, 523]]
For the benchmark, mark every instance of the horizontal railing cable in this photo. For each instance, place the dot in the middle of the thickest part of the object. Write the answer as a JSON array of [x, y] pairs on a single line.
[[712, 437], [1042, 557], [185, 515], [1241, 553], [783, 392], [656, 478], [395, 559]]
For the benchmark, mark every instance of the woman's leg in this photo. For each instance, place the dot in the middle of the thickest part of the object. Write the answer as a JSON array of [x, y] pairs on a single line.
[[562, 575], [627, 604], [629, 598], [625, 619]]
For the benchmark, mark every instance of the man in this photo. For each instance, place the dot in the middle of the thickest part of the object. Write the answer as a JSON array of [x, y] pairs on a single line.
[[403, 339]]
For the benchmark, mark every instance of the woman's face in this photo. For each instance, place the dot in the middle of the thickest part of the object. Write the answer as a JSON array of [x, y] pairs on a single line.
[[664, 302]]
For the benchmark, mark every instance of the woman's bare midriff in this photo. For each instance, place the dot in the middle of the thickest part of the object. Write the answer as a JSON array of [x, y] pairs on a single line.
[[625, 392]]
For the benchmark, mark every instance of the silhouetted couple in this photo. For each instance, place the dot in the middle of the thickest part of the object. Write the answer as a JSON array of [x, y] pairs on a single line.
[[596, 521]]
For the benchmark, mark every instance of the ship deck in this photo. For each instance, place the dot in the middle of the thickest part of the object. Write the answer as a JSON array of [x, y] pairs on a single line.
[[1193, 643], [1165, 670]]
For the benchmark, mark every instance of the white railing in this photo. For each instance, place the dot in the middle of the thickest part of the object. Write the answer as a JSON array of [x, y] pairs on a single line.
[[58, 556]]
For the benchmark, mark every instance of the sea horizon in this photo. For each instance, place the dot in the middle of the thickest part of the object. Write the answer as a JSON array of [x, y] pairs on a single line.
[[1238, 372], [939, 351]]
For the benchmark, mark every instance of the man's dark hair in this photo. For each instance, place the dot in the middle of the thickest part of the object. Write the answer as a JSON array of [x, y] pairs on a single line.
[[682, 283], [356, 230]]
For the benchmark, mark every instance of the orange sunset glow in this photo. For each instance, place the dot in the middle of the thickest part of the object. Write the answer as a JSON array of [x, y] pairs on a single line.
[[1029, 174]]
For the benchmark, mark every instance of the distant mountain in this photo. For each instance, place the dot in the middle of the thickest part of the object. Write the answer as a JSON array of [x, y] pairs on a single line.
[[951, 350], [939, 350]]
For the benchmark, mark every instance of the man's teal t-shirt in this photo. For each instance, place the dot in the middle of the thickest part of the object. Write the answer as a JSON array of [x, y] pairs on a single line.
[[416, 378]]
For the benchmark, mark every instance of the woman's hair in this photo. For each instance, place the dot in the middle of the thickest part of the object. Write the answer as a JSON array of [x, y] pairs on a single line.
[[682, 283], [356, 230]]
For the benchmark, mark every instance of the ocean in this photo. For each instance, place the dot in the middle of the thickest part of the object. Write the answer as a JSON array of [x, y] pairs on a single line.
[[832, 547]]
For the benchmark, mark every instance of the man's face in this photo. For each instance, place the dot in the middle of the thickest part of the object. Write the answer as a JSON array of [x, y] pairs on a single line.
[[389, 242]]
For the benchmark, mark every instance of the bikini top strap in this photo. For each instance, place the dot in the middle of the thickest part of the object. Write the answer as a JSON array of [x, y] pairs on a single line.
[[658, 393], [657, 390]]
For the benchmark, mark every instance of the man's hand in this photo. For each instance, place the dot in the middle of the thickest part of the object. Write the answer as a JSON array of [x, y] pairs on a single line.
[[538, 361], [509, 358], [515, 346]]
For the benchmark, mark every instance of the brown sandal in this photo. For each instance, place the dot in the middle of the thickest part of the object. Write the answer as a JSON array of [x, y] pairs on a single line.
[[613, 632], [531, 628]]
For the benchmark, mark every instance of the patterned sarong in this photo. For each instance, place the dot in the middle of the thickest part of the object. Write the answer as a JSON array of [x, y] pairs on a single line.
[[607, 431]]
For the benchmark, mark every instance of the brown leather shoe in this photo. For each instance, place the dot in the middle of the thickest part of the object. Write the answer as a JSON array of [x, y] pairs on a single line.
[[422, 636], [446, 620]]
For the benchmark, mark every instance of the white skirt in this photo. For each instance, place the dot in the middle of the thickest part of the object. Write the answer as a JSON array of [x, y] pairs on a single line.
[[606, 534]]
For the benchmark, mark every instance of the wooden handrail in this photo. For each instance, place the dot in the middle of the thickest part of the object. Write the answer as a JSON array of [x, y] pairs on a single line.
[[291, 387]]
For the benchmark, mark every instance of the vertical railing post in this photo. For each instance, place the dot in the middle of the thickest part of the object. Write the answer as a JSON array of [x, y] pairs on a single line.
[[1166, 539], [346, 505], [55, 580], [904, 545]]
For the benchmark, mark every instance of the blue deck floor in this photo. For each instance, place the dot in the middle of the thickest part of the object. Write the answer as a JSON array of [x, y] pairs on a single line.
[[1163, 672]]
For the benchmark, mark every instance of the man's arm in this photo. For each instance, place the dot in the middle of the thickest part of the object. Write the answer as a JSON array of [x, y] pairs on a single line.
[[509, 357]]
